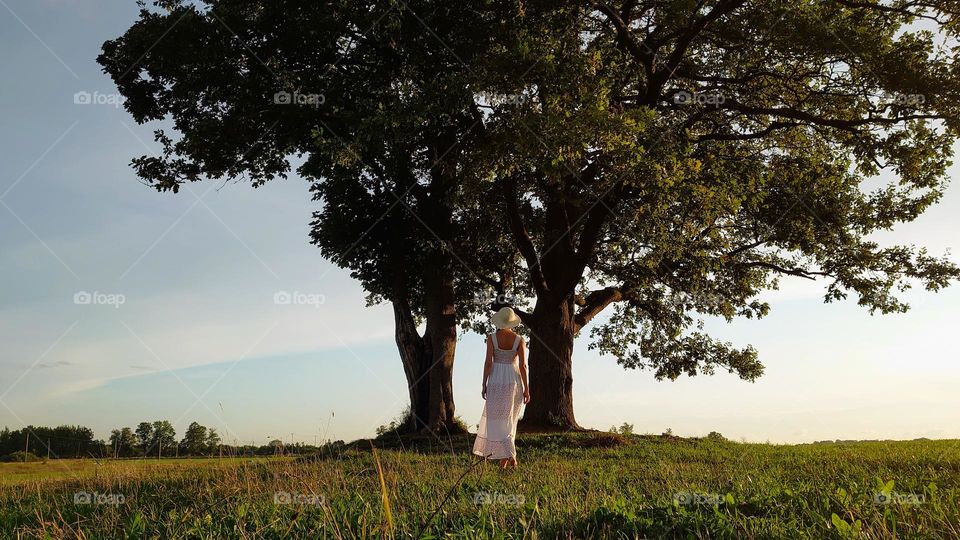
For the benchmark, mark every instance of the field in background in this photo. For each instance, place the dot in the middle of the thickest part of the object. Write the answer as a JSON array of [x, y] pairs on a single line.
[[569, 486], [76, 469]]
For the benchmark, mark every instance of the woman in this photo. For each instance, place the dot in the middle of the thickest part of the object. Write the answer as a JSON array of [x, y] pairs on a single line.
[[504, 389]]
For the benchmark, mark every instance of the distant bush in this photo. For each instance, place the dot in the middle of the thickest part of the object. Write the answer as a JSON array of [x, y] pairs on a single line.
[[461, 424], [600, 440], [398, 424], [20, 457], [327, 450], [624, 429], [401, 426], [716, 436]]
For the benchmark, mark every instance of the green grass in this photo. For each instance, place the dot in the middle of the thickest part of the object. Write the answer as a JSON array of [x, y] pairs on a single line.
[[572, 486], [66, 469]]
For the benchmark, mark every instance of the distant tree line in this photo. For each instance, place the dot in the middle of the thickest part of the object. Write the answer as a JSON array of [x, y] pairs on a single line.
[[149, 439], [61, 441]]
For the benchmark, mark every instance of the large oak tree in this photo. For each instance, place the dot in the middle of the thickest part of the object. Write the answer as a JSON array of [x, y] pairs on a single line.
[[673, 159], [376, 98]]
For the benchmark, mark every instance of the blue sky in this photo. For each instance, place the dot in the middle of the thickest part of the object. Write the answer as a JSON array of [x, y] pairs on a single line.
[[198, 335]]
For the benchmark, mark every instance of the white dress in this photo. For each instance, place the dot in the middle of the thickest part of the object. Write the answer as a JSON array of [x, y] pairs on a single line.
[[498, 424]]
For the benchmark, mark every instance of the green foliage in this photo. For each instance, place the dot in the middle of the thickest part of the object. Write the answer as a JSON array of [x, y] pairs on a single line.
[[20, 457], [847, 530], [387, 151], [568, 489], [675, 161], [672, 159], [213, 440], [195, 439], [164, 440], [123, 442], [144, 435], [61, 441], [395, 426]]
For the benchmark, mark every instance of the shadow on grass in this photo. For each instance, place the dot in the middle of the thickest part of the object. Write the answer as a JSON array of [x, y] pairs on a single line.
[[655, 522], [427, 443]]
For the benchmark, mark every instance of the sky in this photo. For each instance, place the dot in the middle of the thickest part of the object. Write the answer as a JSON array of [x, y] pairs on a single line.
[[120, 304]]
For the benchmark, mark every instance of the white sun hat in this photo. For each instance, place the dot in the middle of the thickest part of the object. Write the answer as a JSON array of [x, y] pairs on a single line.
[[505, 318]]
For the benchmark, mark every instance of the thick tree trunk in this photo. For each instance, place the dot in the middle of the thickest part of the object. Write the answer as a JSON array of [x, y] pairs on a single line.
[[436, 211], [416, 357], [429, 374], [428, 359], [555, 274], [552, 331], [441, 332]]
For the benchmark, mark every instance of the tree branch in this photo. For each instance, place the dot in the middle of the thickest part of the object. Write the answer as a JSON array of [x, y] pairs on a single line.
[[595, 302], [799, 272], [520, 235], [810, 118]]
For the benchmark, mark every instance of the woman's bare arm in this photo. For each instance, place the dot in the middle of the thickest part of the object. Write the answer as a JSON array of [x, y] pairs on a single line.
[[487, 367], [522, 350]]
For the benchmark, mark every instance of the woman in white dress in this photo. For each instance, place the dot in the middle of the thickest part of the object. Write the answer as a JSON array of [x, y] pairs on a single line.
[[504, 389]]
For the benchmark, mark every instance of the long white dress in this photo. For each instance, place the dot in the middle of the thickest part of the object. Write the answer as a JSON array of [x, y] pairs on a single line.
[[498, 424]]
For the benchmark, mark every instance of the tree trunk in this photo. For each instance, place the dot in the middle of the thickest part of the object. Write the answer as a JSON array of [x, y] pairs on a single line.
[[552, 330], [415, 355], [441, 332], [438, 293], [428, 359]]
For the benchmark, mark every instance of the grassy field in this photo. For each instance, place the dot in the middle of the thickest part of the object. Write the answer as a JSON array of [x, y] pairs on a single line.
[[570, 486], [76, 469]]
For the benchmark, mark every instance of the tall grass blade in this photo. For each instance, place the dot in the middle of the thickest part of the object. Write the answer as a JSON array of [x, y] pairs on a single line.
[[384, 494]]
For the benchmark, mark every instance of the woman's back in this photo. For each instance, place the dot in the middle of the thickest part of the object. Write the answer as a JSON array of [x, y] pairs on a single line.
[[501, 354], [504, 389]]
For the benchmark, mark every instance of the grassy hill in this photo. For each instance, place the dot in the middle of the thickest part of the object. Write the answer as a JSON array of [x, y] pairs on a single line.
[[587, 485]]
